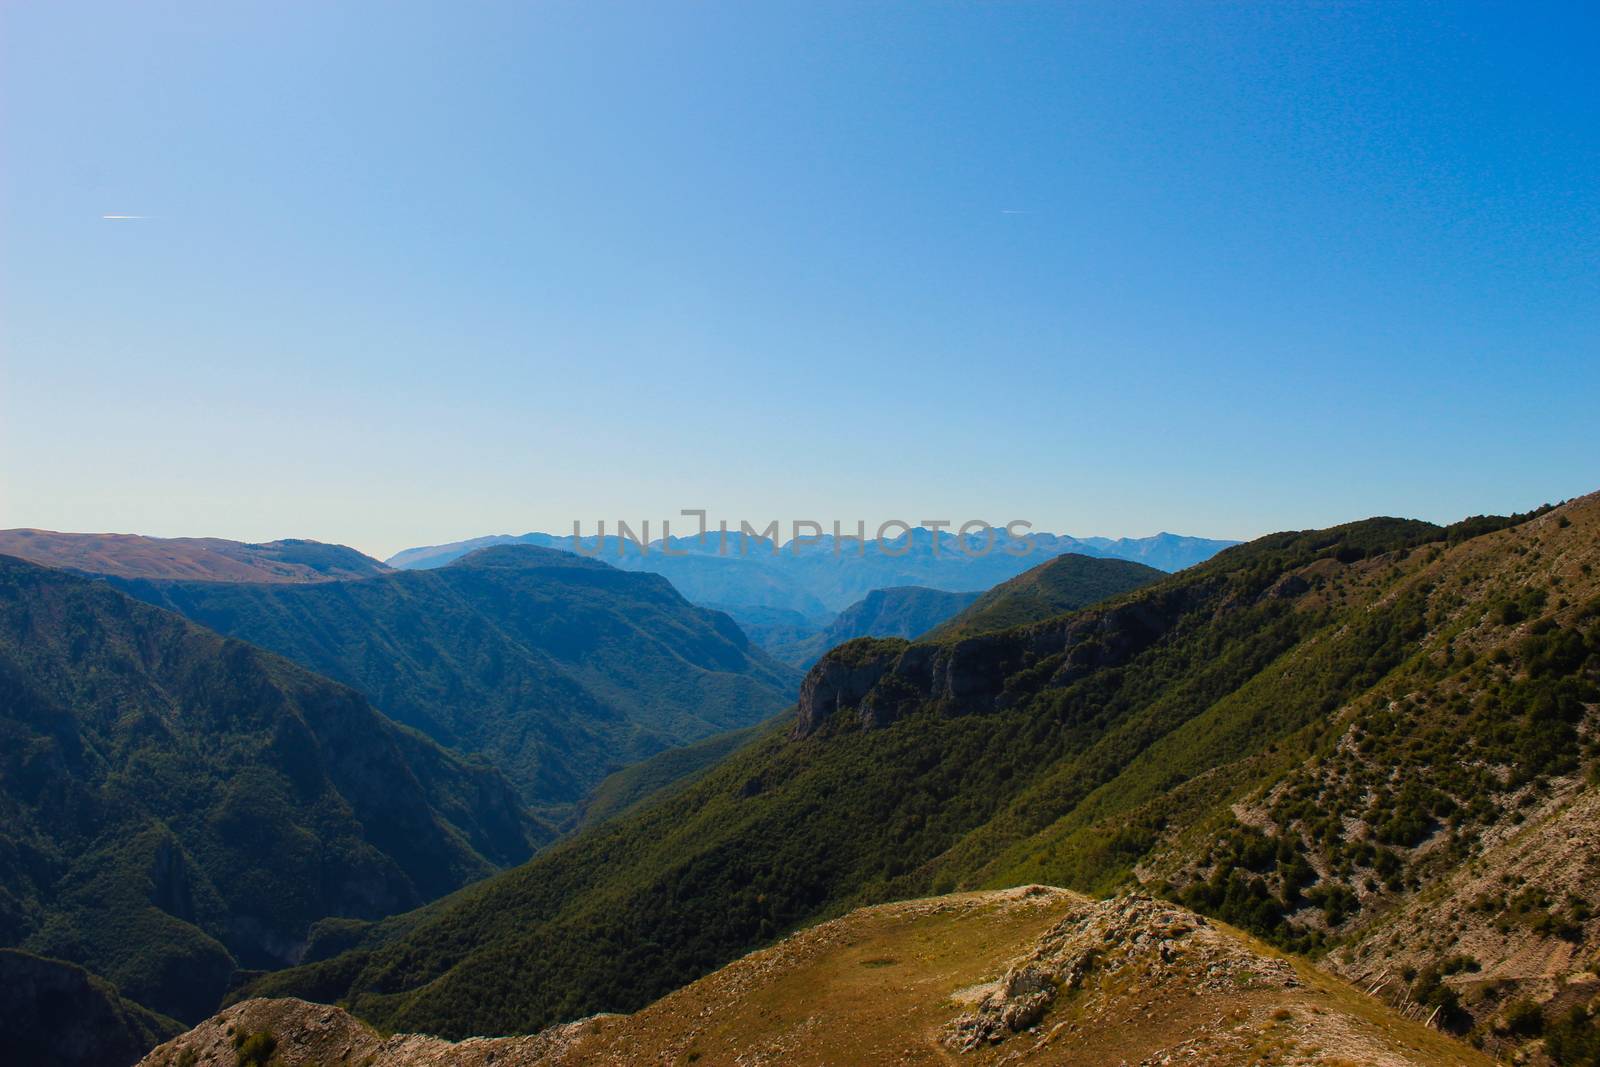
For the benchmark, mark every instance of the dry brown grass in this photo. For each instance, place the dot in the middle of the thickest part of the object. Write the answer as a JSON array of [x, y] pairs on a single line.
[[881, 985]]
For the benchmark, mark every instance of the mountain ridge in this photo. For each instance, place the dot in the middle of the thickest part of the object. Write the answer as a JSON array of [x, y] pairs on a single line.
[[898, 611], [192, 558], [1056, 586], [820, 578], [556, 667]]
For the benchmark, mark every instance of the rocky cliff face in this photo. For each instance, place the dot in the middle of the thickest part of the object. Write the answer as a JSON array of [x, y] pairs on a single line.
[[843, 678], [882, 681]]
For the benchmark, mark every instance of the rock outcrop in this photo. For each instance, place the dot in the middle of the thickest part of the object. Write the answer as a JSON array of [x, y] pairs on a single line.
[[1141, 940], [298, 1033], [843, 678], [884, 680]]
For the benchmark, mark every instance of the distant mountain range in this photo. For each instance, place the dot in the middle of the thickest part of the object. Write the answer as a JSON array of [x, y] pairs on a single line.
[[557, 668], [210, 559], [819, 579]]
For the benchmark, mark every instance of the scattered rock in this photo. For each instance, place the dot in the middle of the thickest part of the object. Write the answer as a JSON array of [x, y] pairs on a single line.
[[1160, 945]]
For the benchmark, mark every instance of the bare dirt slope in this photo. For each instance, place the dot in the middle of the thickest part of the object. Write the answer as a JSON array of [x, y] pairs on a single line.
[[1032, 975], [210, 559], [1518, 912]]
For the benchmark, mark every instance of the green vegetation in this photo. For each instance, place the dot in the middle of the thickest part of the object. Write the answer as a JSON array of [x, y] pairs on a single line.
[[903, 611], [651, 778], [1525, 1019], [1289, 737], [1066, 751], [556, 668], [1429, 989], [1573, 1040], [1468, 734], [1062, 584], [254, 1049], [178, 805]]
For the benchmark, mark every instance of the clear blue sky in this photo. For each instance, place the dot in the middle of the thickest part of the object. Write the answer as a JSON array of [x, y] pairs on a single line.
[[420, 272]]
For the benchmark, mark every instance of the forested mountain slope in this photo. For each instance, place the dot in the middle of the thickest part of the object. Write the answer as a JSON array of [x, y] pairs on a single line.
[[177, 805], [1059, 585], [1092, 750], [640, 783], [559, 669], [900, 611]]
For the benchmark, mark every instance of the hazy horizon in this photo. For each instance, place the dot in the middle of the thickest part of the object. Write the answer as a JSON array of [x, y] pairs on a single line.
[[689, 529]]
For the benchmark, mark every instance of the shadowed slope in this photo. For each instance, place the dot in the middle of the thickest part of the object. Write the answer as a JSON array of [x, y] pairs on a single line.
[[57, 1013], [176, 803], [558, 668]]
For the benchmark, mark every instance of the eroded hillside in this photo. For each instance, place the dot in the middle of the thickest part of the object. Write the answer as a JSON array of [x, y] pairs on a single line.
[[1436, 834]]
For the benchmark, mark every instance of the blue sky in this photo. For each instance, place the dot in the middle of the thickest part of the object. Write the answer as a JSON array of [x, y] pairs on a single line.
[[420, 272]]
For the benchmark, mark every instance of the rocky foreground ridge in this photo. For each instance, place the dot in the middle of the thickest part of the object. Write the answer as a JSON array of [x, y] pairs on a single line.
[[1029, 975]]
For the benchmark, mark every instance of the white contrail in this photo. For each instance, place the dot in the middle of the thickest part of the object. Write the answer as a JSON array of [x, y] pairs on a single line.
[[127, 216]]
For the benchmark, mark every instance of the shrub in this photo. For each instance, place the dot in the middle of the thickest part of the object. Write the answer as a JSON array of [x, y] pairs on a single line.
[[1525, 1018], [1430, 989], [255, 1049], [1573, 1040]]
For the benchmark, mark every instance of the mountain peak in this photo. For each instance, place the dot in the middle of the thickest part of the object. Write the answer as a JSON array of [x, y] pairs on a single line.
[[513, 556], [1060, 584]]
